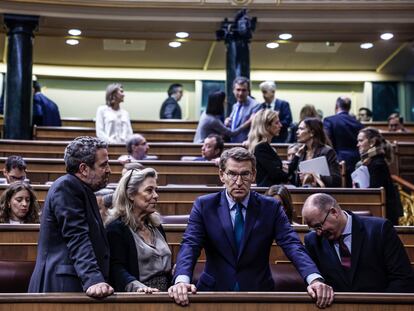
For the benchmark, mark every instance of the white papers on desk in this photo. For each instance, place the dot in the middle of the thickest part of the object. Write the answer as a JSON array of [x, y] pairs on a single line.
[[317, 165], [360, 177]]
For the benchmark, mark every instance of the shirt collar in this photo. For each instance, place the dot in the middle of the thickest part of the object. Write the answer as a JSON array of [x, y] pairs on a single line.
[[348, 226], [231, 202]]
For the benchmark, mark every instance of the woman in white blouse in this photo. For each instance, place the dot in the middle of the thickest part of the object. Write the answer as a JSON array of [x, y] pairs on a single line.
[[112, 122]]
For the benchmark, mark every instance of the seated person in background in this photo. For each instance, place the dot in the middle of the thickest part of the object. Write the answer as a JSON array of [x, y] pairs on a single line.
[[45, 111], [364, 114], [265, 126], [170, 109], [210, 120], [104, 200], [18, 204], [137, 148], [112, 122], [282, 194], [355, 253], [212, 148], [14, 169], [396, 123], [375, 151], [315, 144], [140, 256]]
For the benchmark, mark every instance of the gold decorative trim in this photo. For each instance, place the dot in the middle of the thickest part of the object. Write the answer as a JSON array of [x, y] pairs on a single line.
[[407, 200]]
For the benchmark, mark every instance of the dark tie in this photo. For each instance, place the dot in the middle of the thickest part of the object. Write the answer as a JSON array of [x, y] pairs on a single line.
[[344, 253], [238, 225], [238, 233]]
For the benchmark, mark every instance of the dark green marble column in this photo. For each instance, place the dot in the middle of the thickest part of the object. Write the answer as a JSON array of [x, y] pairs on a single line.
[[18, 104]]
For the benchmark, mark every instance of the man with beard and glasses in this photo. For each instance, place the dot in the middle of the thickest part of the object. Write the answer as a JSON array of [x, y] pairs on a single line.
[[73, 251], [355, 253]]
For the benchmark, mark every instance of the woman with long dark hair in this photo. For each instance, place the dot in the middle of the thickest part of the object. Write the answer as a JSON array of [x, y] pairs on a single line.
[[210, 120], [375, 152], [315, 144]]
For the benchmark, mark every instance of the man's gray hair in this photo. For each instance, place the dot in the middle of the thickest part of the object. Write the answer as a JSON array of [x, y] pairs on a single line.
[[82, 150], [132, 141], [267, 86], [238, 154]]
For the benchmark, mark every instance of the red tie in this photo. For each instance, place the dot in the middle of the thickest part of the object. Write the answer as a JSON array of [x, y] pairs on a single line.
[[344, 253]]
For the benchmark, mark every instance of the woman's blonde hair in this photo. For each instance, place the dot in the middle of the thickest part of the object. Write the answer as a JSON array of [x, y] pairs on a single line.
[[259, 130], [123, 206], [110, 91]]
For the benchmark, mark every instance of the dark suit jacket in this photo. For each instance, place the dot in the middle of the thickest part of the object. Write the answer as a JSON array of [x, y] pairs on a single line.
[[45, 111], [379, 261], [285, 117], [170, 109], [268, 166], [342, 130], [334, 179], [124, 258], [210, 227], [73, 251], [379, 176]]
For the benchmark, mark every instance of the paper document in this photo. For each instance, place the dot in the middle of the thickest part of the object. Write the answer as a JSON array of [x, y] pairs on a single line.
[[318, 165], [360, 177]]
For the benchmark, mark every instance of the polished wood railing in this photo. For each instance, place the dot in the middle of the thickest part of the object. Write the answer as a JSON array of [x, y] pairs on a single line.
[[223, 301]]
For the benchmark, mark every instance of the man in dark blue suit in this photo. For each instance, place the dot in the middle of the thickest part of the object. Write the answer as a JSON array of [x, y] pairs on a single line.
[[268, 89], [342, 129], [73, 251], [355, 253], [236, 227], [45, 110]]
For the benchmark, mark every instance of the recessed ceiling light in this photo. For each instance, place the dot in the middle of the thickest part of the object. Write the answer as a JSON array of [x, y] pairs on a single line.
[[285, 36], [366, 45], [174, 44], [72, 41], [387, 36], [182, 34], [74, 32], [272, 45]]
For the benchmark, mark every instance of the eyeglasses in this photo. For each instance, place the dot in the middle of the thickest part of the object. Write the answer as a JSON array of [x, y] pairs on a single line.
[[318, 227], [245, 176]]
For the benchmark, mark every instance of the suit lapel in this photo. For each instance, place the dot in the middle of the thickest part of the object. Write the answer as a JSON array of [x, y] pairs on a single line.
[[358, 236], [252, 213], [224, 215]]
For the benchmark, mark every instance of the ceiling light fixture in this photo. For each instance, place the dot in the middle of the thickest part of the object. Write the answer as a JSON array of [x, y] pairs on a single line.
[[174, 44], [72, 41], [182, 34], [387, 36], [366, 45], [74, 32], [285, 36], [272, 45]]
